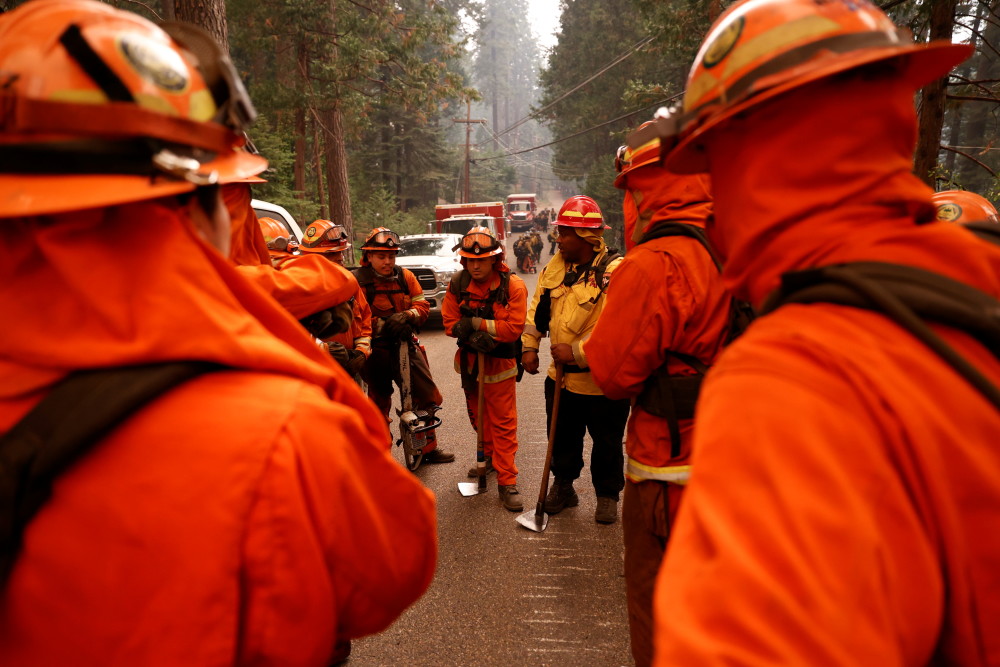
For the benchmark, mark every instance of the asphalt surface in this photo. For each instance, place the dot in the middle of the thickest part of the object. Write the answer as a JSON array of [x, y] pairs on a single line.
[[502, 594]]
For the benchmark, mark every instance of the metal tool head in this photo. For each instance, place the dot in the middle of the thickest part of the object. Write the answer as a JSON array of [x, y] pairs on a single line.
[[470, 489], [532, 520]]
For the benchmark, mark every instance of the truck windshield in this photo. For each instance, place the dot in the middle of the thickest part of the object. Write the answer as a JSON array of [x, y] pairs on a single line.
[[462, 225], [518, 206], [427, 247]]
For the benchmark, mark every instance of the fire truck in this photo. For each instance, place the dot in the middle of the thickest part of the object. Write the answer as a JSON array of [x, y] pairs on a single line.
[[521, 211], [460, 218]]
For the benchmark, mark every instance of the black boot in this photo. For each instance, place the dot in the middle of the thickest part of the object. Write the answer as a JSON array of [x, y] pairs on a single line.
[[561, 496]]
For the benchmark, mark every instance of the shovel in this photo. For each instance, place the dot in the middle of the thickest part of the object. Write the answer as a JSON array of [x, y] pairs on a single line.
[[473, 488], [538, 520]]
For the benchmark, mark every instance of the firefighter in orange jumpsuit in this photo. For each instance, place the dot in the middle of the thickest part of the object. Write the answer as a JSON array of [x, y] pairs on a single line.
[[351, 348], [845, 485], [281, 243], [567, 303], [247, 516], [484, 309], [304, 284], [398, 306], [664, 322]]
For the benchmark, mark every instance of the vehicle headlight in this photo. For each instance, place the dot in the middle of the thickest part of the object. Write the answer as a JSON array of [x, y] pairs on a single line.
[[444, 277]]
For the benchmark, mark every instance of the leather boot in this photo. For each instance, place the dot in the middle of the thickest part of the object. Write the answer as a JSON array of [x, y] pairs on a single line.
[[510, 497], [607, 510], [438, 456], [561, 496]]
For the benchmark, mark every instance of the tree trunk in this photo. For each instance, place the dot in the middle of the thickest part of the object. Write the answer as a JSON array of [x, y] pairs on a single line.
[[299, 170], [932, 99], [336, 174], [979, 116], [208, 14], [320, 192]]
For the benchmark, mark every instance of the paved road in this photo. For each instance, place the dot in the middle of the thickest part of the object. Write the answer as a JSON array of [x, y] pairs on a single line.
[[503, 595]]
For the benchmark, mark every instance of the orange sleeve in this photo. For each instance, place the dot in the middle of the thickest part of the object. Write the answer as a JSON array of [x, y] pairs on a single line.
[[304, 284], [508, 323], [361, 326], [325, 524], [450, 313], [418, 303]]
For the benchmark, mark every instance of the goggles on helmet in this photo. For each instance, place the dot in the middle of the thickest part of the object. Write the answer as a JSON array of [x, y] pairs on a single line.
[[478, 242], [323, 234], [382, 238]]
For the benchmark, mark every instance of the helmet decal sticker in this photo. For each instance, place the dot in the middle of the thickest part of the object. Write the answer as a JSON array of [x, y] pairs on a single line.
[[724, 43], [155, 62], [949, 212]]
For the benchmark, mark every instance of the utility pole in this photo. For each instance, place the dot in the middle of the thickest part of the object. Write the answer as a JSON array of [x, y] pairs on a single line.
[[468, 120]]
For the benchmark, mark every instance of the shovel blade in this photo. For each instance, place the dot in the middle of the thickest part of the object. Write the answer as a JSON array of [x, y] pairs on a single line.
[[469, 489], [533, 521]]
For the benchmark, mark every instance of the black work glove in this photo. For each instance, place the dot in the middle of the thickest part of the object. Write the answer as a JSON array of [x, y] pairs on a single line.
[[356, 363], [329, 322], [339, 353], [480, 341], [463, 329], [398, 326]]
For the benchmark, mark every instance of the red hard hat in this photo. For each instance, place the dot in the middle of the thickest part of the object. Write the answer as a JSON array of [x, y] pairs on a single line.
[[963, 207], [580, 211]]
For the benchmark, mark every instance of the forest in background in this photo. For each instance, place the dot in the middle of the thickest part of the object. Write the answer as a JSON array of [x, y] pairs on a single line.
[[363, 103]]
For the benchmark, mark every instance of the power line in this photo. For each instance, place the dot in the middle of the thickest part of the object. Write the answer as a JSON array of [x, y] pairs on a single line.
[[589, 129], [638, 45]]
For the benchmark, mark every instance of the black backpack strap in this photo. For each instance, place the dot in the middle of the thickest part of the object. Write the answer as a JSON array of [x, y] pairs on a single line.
[[74, 417], [910, 297], [987, 231], [681, 229]]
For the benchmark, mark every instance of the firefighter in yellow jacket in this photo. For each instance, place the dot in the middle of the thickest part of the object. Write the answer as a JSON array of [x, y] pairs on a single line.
[[568, 300], [484, 309]]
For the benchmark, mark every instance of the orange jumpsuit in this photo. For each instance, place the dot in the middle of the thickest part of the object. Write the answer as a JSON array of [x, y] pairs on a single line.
[[383, 364], [844, 501], [500, 381], [304, 284], [666, 294], [359, 337], [249, 516]]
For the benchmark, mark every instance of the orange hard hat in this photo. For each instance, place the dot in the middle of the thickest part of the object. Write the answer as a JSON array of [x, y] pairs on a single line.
[[277, 236], [963, 207], [382, 238], [580, 211], [479, 242], [324, 236], [758, 49], [104, 107], [628, 159]]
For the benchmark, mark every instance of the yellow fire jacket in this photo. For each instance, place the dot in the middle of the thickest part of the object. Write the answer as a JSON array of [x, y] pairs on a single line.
[[574, 313]]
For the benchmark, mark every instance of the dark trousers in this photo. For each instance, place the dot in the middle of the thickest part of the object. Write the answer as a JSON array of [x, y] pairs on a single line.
[[605, 420]]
